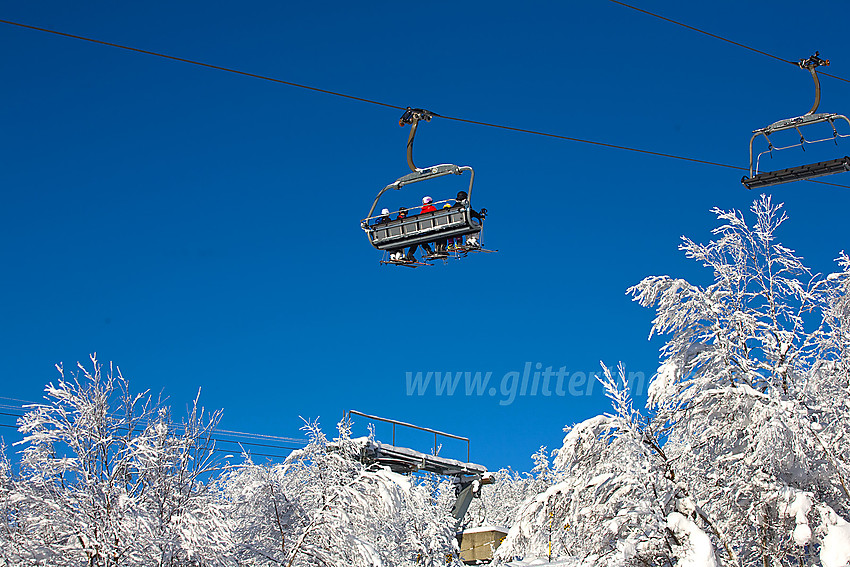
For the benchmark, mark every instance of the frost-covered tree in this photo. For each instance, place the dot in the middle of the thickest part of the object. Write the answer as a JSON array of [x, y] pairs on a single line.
[[14, 541], [746, 328], [500, 502], [322, 507], [750, 392], [106, 479], [610, 498], [752, 384], [827, 385], [743, 458]]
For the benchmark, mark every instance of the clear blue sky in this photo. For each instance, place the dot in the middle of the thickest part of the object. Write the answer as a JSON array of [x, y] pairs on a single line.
[[201, 229]]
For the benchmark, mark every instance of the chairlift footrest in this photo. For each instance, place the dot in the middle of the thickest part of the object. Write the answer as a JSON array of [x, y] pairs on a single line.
[[797, 173], [404, 263]]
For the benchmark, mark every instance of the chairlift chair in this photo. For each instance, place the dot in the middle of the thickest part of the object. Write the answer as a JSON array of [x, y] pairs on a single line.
[[423, 228], [759, 179]]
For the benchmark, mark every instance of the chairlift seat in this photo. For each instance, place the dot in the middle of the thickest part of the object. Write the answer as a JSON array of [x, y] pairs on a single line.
[[798, 173], [423, 228]]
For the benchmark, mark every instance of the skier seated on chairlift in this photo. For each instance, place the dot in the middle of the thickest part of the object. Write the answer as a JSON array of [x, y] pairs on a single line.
[[462, 200], [442, 245], [427, 207], [384, 218], [398, 254], [428, 204]]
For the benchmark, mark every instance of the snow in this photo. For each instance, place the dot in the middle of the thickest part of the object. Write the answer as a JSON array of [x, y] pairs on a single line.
[[745, 439], [486, 528], [835, 550], [664, 380], [599, 479], [799, 508], [802, 534], [699, 550]]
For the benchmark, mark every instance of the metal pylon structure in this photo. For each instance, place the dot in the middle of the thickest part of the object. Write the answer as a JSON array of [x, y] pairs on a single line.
[[468, 477]]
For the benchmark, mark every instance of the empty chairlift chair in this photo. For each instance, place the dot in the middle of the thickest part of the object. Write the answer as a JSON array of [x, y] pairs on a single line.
[[758, 179]]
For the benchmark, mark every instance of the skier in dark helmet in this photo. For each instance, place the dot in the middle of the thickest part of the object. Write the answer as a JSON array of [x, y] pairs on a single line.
[[398, 253], [384, 218], [462, 200]]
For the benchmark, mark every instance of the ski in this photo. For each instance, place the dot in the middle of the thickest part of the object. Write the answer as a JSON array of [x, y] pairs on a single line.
[[404, 263]]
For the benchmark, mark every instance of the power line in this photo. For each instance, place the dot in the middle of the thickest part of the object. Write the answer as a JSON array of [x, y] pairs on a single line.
[[256, 435], [255, 444], [216, 449], [720, 37], [455, 118], [361, 99], [252, 454], [698, 30], [592, 142], [216, 439], [17, 400], [224, 432]]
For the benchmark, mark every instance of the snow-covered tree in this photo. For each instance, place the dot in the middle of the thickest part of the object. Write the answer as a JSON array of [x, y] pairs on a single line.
[[609, 502], [322, 507], [500, 502], [751, 397], [743, 458], [106, 479]]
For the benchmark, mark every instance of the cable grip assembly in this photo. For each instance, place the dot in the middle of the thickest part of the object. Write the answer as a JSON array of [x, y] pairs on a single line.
[[412, 116]]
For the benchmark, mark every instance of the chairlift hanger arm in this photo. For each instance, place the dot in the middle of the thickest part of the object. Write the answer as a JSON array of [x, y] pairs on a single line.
[[412, 116], [812, 63]]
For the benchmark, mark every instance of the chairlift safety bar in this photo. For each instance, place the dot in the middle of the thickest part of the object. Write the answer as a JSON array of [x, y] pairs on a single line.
[[423, 175], [413, 208]]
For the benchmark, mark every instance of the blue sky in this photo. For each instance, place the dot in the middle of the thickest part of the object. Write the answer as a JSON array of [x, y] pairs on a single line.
[[201, 229]]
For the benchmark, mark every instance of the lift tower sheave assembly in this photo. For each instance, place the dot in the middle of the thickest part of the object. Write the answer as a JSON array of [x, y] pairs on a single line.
[[468, 477]]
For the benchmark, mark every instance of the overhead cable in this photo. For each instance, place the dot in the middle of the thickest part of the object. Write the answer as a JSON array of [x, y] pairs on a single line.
[[720, 37], [387, 105], [202, 64]]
